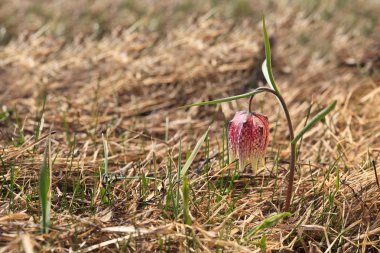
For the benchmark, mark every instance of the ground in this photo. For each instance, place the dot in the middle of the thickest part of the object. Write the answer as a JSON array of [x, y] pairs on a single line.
[[111, 75]]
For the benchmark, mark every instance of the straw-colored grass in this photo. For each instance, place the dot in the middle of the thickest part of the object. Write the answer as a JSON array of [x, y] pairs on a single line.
[[127, 84]]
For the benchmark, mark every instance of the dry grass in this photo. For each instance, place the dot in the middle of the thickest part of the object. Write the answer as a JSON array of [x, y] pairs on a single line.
[[128, 84]]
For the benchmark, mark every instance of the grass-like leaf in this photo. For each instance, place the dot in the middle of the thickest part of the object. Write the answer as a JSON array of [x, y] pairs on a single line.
[[193, 154], [45, 189], [223, 100], [267, 65], [268, 222], [262, 243], [186, 199], [105, 147], [5, 114], [321, 115]]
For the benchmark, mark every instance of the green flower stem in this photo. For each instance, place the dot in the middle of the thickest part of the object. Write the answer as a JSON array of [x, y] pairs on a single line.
[[292, 144]]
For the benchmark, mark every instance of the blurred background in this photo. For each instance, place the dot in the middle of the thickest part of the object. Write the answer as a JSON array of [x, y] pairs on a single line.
[[98, 18]]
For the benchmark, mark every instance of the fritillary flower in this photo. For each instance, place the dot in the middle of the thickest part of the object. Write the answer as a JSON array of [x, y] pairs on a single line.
[[248, 135]]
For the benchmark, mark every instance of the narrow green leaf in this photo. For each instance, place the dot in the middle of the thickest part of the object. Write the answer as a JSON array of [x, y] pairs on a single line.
[[179, 172], [262, 243], [186, 199], [5, 114], [223, 100], [321, 115], [337, 182], [40, 117], [268, 222], [267, 65], [45, 190], [105, 147], [193, 154]]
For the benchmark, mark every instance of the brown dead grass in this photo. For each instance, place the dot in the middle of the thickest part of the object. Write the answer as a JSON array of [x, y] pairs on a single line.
[[129, 82]]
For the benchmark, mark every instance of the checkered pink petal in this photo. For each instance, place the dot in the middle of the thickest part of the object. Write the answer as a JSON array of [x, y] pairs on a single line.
[[248, 135]]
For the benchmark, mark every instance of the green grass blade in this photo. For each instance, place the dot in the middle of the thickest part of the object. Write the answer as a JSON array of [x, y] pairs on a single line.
[[223, 100], [321, 115], [267, 65], [262, 243], [193, 154], [40, 117], [268, 222], [45, 189], [105, 147], [186, 199], [5, 114], [179, 171]]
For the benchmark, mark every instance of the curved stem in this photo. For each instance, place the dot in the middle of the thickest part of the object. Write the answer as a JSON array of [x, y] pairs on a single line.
[[292, 145]]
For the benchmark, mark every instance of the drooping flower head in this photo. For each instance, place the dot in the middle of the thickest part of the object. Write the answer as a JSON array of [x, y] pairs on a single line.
[[248, 135]]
